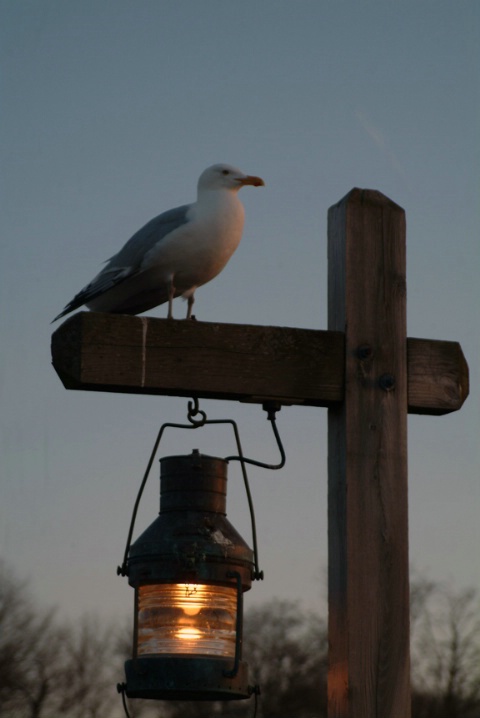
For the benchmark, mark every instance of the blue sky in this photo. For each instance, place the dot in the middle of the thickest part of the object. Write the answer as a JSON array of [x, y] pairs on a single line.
[[109, 112]]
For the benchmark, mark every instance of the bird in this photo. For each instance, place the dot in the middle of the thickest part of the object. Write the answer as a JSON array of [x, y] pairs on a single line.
[[175, 253]]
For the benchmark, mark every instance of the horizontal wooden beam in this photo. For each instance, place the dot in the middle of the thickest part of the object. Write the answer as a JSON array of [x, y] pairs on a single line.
[[144, 355], [438, 377]]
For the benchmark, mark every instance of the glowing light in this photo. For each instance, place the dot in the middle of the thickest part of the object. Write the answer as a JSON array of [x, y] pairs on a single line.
[[187, 619], [194, 595], [189, 634]]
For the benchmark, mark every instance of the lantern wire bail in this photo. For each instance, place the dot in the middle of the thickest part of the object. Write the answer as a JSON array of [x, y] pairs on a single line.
[[271, 407]]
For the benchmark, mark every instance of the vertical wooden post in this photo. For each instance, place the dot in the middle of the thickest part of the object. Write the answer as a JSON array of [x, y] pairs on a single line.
[[368, 508]]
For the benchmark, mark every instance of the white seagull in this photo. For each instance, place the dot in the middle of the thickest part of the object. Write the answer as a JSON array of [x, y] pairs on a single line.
[[174, 253]]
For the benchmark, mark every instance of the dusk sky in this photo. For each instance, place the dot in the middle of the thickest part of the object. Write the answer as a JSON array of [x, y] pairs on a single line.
[[110, 110]]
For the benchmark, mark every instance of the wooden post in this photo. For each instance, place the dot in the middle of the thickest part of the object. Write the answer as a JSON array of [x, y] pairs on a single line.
[[367, 496]]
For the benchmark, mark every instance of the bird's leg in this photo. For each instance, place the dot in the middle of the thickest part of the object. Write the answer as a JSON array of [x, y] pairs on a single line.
[[190, 302], [171, 295]]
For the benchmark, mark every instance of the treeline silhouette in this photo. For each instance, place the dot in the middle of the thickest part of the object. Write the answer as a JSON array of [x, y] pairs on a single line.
[[50, 668]]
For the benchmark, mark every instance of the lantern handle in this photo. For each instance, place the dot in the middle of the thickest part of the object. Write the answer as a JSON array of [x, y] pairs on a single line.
[[121, 688], [193, 409], [271, 407]]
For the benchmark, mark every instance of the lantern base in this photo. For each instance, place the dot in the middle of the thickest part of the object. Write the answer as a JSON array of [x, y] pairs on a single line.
[[186, 678]]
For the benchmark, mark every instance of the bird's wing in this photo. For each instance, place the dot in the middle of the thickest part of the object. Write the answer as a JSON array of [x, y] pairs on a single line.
[[128, 261], [134, 251]]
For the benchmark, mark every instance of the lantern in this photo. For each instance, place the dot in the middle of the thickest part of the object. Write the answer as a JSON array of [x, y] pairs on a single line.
[[189, 570]]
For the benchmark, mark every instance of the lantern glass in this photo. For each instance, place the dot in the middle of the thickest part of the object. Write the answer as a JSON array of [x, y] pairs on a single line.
[[186, 619]]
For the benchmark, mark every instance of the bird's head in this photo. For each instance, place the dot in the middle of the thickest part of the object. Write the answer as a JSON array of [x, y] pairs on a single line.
[[226, 177]]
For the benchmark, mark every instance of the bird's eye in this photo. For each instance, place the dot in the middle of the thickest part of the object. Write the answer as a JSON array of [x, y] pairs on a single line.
[[225, 172]]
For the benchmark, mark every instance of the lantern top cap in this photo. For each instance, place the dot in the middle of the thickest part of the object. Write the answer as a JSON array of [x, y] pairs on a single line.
[[195, 454]]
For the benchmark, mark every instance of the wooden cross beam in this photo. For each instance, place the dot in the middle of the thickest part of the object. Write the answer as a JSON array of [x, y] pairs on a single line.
[[369, 375], [238, 362]]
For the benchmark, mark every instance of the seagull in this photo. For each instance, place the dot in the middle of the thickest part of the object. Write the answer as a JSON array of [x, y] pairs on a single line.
[[174, 253]]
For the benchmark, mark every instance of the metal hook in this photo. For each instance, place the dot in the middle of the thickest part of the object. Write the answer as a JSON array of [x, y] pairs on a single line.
[[193, 410], [193, 407]]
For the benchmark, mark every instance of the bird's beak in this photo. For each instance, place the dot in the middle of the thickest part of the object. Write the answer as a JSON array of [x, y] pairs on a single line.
[[251, 180]]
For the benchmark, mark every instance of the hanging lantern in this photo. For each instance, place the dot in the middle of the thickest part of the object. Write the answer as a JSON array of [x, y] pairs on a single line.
[[189, 570]]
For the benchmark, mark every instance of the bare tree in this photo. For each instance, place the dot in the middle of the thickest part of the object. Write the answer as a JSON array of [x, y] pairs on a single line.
[[12, 603], [47, 669], [287, 650], [31, 648], [88, 680], [446, 655]]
